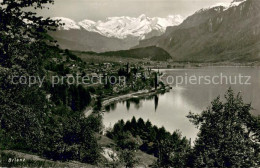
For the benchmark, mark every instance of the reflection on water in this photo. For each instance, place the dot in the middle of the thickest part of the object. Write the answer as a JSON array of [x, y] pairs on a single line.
[[136, 102], [170, 109], [156, 100]]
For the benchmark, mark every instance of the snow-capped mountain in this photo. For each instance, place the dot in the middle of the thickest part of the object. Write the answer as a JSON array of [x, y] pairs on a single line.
[[236, 2], [68, 24], [123, 27], [225, 6]]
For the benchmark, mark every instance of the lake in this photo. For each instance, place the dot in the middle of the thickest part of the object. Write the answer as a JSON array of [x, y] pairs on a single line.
[[170, 109]]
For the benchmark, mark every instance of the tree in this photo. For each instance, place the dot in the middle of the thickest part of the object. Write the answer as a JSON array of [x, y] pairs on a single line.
[[127, 157], [141, 126], [155, 80], [23, 47], [173, 151], [229, 134], [28, 121], [98, 104]]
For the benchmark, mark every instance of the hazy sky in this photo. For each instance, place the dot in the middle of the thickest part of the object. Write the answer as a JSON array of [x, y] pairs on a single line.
[[101, 9]]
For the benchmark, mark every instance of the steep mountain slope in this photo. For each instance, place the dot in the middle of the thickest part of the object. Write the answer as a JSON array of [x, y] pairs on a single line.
[[196, 19], [215, 34], [116, 33]]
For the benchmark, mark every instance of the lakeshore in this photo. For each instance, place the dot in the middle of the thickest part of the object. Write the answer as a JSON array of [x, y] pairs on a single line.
[[140, 94]]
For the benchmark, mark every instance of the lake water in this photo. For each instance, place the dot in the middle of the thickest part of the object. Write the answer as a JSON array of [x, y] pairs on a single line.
[[170, 109]]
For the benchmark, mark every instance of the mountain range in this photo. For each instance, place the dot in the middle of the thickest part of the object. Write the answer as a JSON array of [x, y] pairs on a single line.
[[222, 32], [219, 33], [115, 33]]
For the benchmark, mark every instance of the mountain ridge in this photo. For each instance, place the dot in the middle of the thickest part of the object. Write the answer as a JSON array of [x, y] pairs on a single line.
[[212, 35], [122, 27]]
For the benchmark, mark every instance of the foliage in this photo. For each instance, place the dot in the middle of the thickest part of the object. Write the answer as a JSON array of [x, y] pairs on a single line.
[[72, 56], [229, 134], [59, 68], [127, 157], [22, 49], [28, 120], [171, 149], [76, 97], [98, 104], [73, 140]]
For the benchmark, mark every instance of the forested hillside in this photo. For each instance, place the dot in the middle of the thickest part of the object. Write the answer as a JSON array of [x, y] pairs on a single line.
[[151, 53]]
